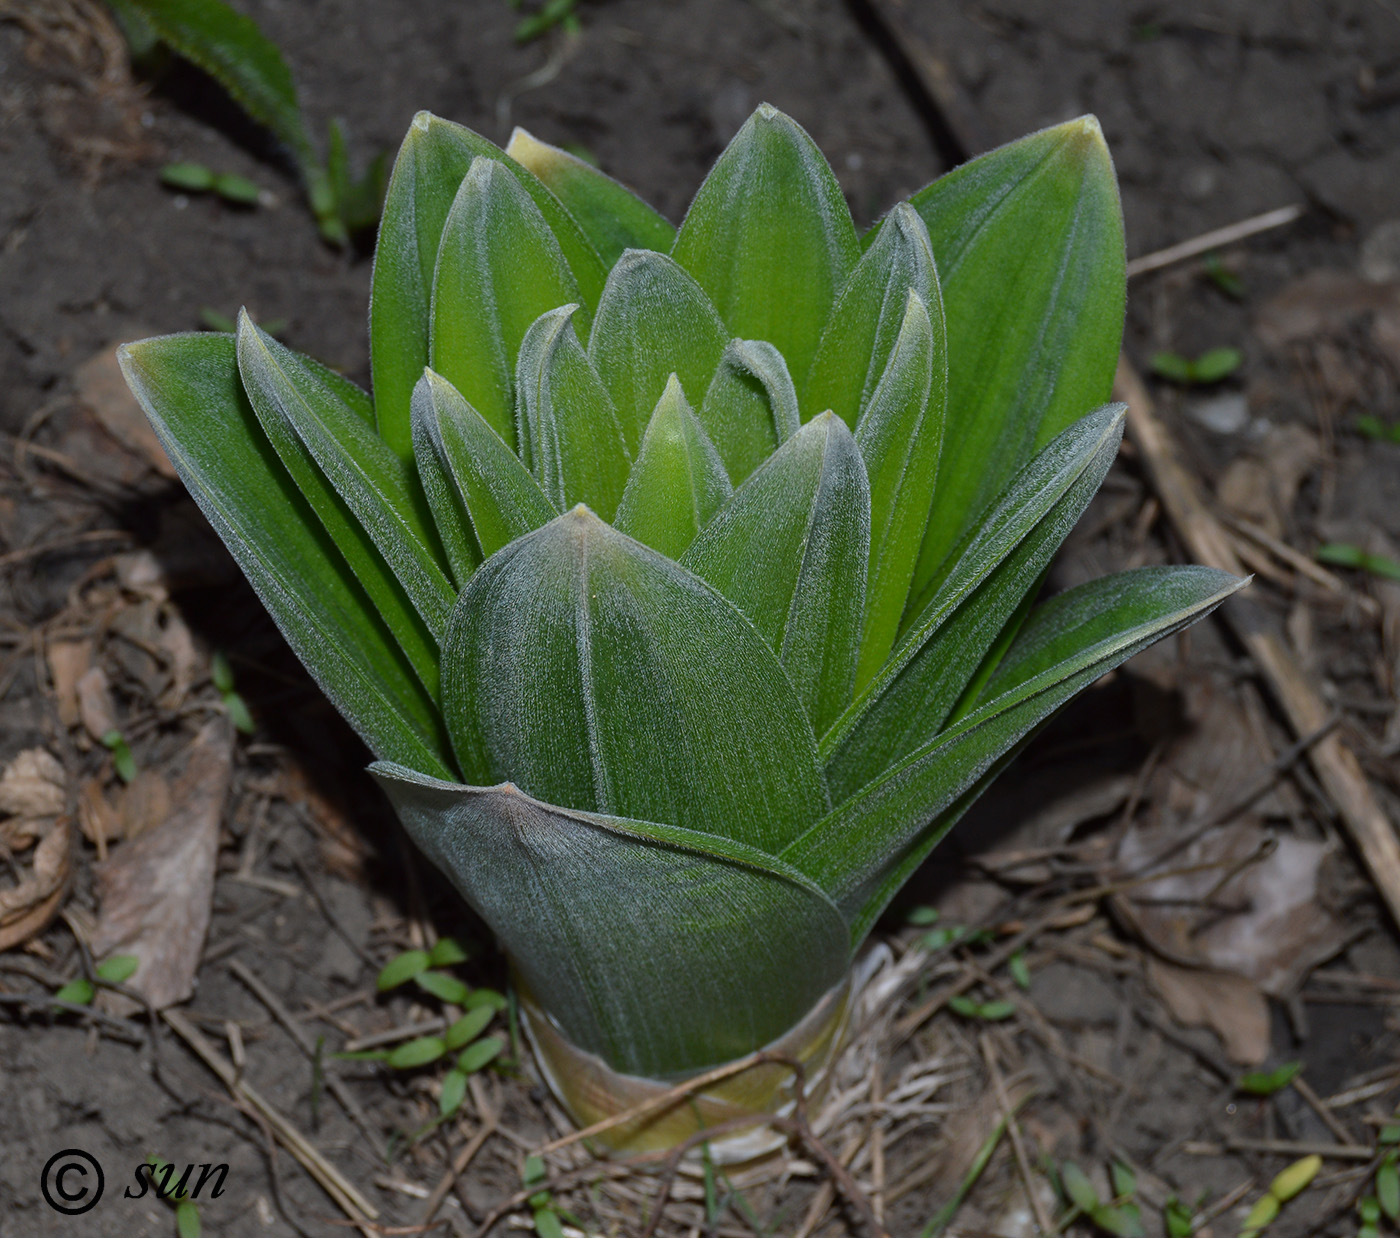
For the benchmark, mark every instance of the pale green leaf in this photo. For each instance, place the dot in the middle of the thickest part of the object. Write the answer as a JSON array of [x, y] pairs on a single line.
[[900, 434], [468, 1027], [968, 605], [870, 844], [499, 268], [1029, 242], [750, 407], [678, 482], [189, 387], [593, 672], [770, 238], [356, 464], [626, 923], [450, 517], [501, 498], [790, 551], [569, 428], [869, 314], [653, 321], [610, 214], [431, 165]]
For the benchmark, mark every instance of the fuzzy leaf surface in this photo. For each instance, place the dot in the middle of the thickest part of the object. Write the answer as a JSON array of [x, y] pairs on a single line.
[[450, 516], [355, 463], [1029, 241], [900, 435], [502, 499], [678, 482], [570, 432], [611, 215], [189, 387], [967, 607], [868, 317], [429, 169], [595, 673], [499, 268], [653, 321], [661, 949], [790, 551], [770, 238], [871, 843], [750, 407]]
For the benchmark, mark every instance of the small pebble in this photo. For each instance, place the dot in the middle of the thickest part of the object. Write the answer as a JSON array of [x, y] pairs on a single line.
[[1221, 414], [1380, 253]]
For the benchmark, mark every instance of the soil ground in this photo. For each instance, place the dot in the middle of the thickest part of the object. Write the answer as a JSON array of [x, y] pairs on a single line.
[[1215, 110]]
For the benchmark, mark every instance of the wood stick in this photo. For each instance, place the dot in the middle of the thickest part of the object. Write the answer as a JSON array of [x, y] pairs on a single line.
[[1335, 764], [1203, 244]]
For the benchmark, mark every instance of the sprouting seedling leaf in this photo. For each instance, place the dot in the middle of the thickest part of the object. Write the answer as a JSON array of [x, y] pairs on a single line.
[[1267, 1082], [401, 969], [1178, 1218], [1344, 554], [1021, 976], [442, 986], [447, 952], [117, 968], [1078, 1190], [187, 1221], [1388, 1185], [1374, 428], [553, 13], [122, 760], [1209, 367], [921, 917], [236, 707], [417, 1052], [454, 1092], [236, 189], [970, 1008], [479, 1054], [191, 177], [1222, 277], [468, 1027], [77, 992]]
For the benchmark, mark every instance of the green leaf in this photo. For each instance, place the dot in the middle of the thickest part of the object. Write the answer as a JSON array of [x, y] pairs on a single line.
[[969, 605], [1029, 242], [869, 316], [1173, 366], [1123, 1179], [414, 1053], [191, 177], [77, 992], [486, 998], [122, 760], [900, 434], [454, 1092], [991, 1012], [117, 968], [450, 517], [288, 392], [431, 165], [189, 387], [653, 321], [499, 268], [1388, 1187], [480, 1053], [1267, 1082], [770, 238], [187, 1222], [570, 432], [1078, 1189], [468, 1027], [1217, 363], [442, 986], [502, 499], [547, 1223], [611, 215], [678, 482], [750, 407], [624, 923], [447, 952], [662, 702], [236, 189], [1344, 554], [870, 844], [401, 969], [1021, 977], [790, 551]]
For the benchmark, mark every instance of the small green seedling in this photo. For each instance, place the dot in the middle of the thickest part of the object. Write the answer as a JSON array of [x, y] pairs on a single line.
[[1267, 1082], [1020, 970], [1291, 1182], [1178, 1218], [551, 14], [117, 969], [196, 178], [1120, 1217], [1385, 1201], [1210, 367], [236, 707], [990, 1012], [1344, 554], [1374, 428], [1223, 278], [122, 760], [187, 1221], [547, 1216]]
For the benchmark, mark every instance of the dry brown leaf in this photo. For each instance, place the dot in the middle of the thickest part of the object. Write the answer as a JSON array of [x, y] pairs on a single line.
[[141, 573], [102, 389], [68, 662], [34, 791], [1322, 303], [155, 893], [97, 818], [33, 785], [95, 704], [1229, 1005], [145, 803], [1263, 485]]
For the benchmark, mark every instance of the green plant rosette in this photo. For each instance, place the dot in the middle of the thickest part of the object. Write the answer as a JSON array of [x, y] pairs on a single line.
[[684, 581]]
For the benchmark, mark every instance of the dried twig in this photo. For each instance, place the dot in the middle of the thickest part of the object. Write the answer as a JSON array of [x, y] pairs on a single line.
[[1216, 239], [1013, 1130]]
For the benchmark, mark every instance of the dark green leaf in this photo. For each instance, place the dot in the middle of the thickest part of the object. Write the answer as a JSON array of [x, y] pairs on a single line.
[[623, 923], [402, 968], [770, 238], [678, 482], [500, 496], [653, 321], [611, 215], [189, 388], [900, 434], [790, 551], [450, 516], [430, 168], [750, 407], [1029, 243], [288, 392], [869, 315], [570, 431], [1267, 1082], [499, 268]]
